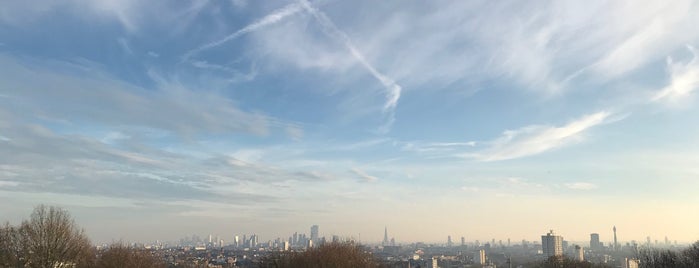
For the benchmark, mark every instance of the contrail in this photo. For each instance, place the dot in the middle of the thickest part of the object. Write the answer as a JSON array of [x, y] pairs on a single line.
[[393, 90], [272, 18]]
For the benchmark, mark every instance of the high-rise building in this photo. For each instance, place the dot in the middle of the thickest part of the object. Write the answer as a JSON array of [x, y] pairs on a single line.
[[479, 257], [237, 241], [616, 244], [449, 243], [594, 241], [552, 244], [579, 253], [435, 264], [463, 241], [314, 234], [629, 263], [385, 236]]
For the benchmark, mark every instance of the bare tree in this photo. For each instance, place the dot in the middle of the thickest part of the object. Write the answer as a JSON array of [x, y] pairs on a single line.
[[12, 247], [121, 256], [51, 239], [329, 255]]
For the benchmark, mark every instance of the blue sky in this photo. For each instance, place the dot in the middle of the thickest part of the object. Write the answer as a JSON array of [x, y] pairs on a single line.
[[463, 118]]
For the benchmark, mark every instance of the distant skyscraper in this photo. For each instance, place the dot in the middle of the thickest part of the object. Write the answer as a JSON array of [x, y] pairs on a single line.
[[314, 234], [479, 257], [385, 236], [449, 243], [463, 241], [579, 253], [435, 264], [629, 263], [237, 241], [616, 244], [594, 241], [552, 244], [253, 241]]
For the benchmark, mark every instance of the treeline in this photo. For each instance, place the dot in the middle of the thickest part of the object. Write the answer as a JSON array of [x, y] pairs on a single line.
[[51, 239], [338, 255], [647, 258], [665, 258]]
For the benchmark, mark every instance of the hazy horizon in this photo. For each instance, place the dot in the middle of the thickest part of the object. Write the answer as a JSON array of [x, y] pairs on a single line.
[[157, 119]]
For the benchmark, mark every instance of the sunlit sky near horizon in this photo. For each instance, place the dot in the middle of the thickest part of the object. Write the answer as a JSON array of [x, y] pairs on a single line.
[[484, 119]]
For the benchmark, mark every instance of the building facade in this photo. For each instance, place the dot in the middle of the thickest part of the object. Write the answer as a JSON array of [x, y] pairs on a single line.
[[552, 244]]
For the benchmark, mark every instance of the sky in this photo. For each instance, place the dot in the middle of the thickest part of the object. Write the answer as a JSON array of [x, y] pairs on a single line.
[[159, 119]]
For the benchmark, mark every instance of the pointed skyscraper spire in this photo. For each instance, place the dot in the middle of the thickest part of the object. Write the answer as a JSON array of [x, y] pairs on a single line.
[[385, 236]]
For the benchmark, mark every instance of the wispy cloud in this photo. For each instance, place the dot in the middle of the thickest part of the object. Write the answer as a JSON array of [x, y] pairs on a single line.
[[271, 18], [125, 45], [532, 140], [393, 90], [684, 79], [363, 175], [644, 35], [436, 147], [108, 101], [581, 186]]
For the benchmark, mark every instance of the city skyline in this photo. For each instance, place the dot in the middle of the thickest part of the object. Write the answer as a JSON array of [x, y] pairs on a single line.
[[466, 119]]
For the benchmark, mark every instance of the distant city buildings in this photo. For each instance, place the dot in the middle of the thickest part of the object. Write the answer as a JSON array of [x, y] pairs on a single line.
[[248, 250], [579, 253], [552, 244], [594, 242], [314, 234], [479, 257], [629, 263], [616, 243], [385, 236]]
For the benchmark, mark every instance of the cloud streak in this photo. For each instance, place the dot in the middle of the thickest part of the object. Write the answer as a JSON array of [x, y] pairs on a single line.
[[585, 186], [684, 79], [271, 18], [108, 101], [393, 90], [532, 140], [363, 175]]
